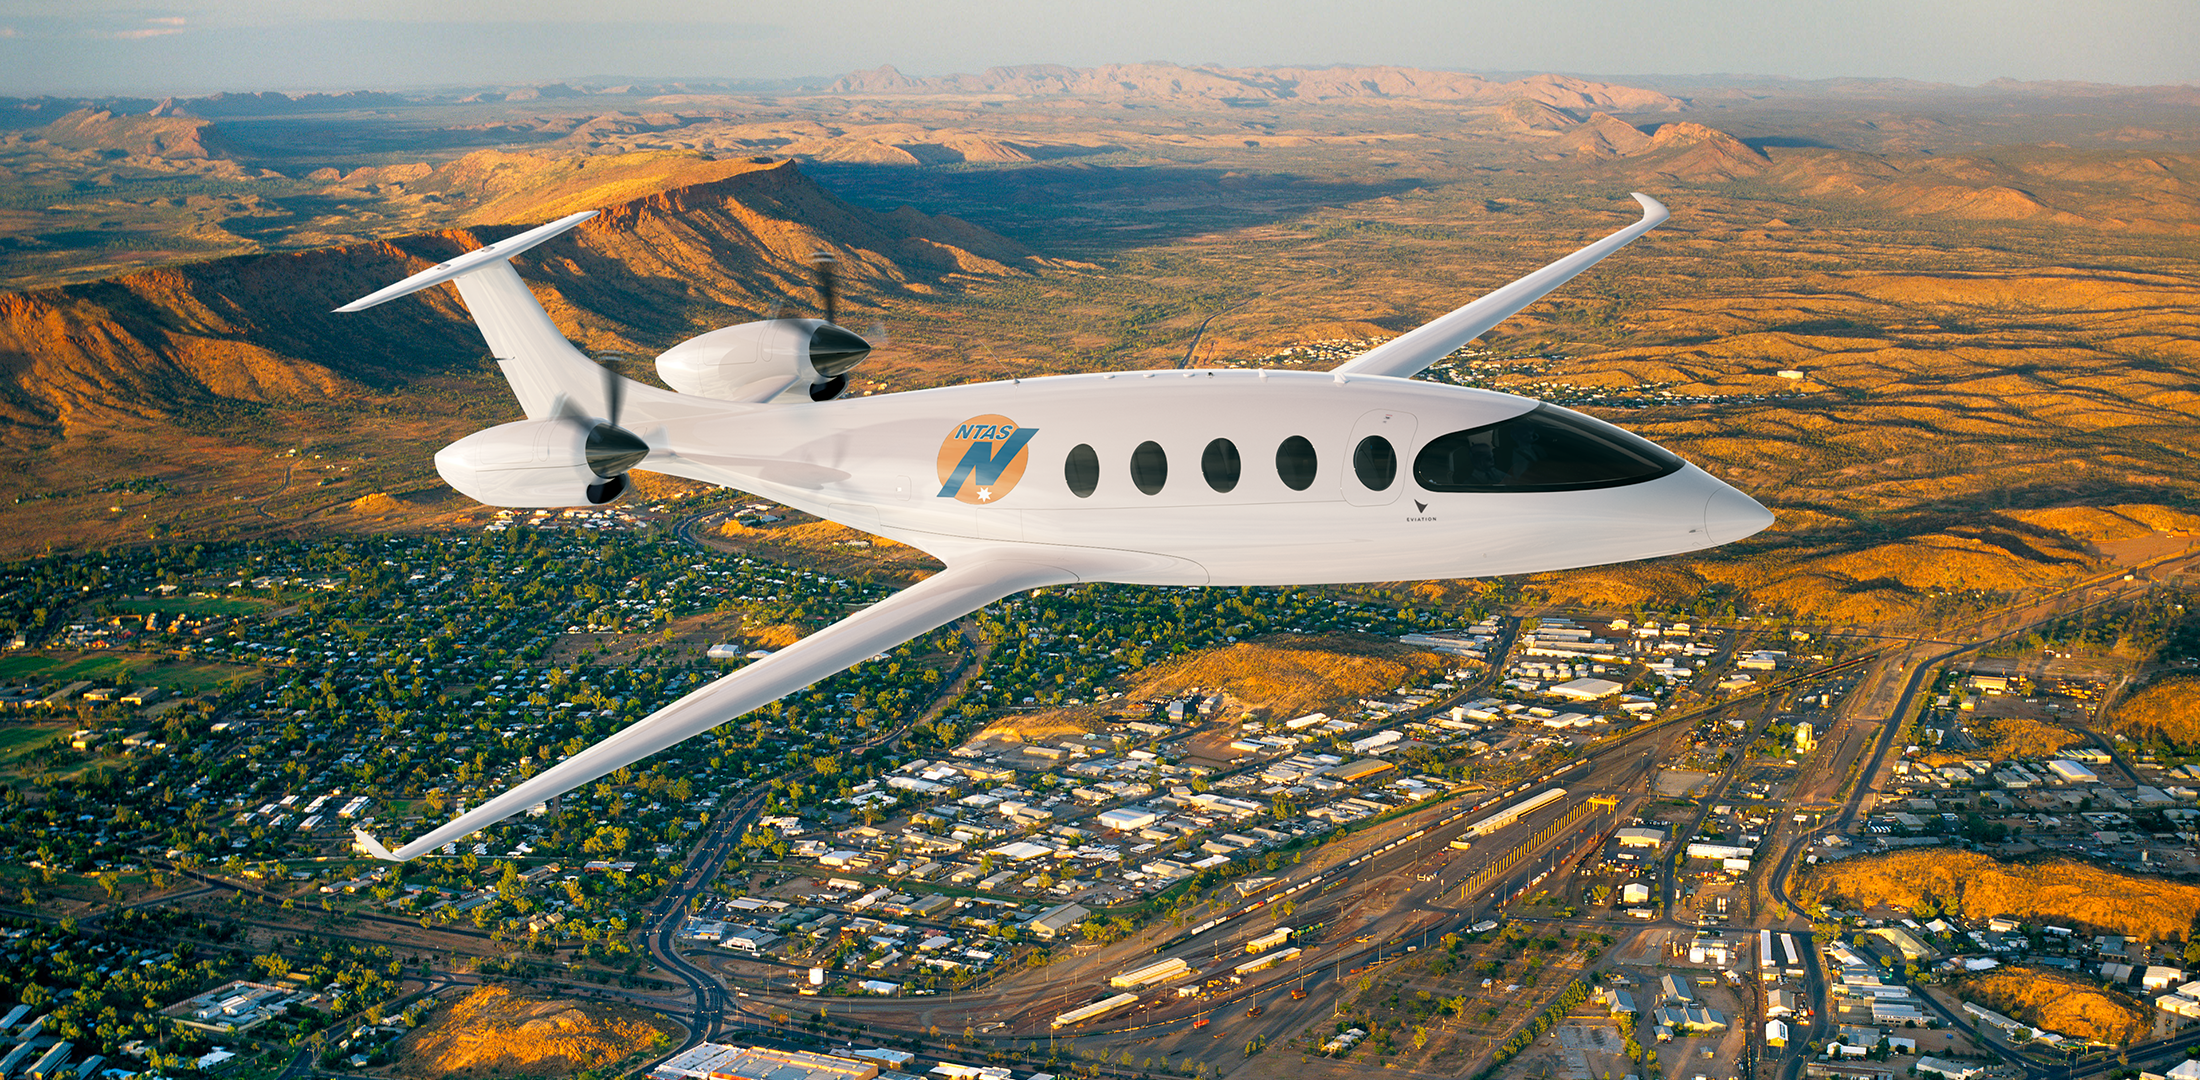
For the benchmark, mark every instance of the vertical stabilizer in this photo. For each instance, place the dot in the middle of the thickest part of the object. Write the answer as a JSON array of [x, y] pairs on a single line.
[[544, 369]]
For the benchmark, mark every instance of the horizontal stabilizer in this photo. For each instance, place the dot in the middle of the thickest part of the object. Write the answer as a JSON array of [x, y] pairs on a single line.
[[469, 262], [1410, 352]]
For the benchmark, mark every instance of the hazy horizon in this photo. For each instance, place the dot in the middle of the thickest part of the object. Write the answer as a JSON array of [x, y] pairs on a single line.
[[182, 47]]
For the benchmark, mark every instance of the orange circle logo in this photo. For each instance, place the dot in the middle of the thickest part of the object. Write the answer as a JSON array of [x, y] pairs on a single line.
[[981, 460]]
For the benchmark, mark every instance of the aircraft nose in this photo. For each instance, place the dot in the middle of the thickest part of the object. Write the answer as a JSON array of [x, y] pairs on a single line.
[[1729, 515]]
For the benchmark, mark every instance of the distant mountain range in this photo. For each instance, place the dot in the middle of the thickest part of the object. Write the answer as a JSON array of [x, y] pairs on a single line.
[[1253, 86], [1158, 82], [694, 245]]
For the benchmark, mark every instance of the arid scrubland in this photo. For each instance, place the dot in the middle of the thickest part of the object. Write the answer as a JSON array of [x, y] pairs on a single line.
[[1990, 295], [1290, 675], [494, 1031], [2057, 1001], [2061, 891], [2167, 709]]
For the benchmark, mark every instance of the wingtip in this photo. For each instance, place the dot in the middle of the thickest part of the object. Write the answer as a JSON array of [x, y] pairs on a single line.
[[367, 843], [1651, 208]]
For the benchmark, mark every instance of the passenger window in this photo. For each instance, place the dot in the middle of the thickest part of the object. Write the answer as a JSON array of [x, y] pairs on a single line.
[[1220, 464], [1295, 463], [1149, 467], [1082, 470], [1548, 449], [1375, 463]]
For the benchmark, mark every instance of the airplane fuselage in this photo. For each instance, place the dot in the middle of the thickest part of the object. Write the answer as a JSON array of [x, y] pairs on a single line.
[[1294, 492]]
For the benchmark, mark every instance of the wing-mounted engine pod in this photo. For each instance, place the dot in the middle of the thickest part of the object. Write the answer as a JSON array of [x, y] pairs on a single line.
[[541, 463], [810, 357]]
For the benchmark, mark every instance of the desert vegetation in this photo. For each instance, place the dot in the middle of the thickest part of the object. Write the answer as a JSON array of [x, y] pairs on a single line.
[[494, 1030], [1291, 675], [2167, 710], [2059, 1002], [2061, 891]]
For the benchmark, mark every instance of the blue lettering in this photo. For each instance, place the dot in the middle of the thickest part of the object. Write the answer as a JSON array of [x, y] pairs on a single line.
[[986, 461]]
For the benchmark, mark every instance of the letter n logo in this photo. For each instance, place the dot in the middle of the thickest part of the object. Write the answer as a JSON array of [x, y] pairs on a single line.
[[983, 458]]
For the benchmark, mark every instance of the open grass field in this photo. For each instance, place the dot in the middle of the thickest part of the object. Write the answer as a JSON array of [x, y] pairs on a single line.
[[2064, 892], [18, 739], [191, 605], [117, 668]]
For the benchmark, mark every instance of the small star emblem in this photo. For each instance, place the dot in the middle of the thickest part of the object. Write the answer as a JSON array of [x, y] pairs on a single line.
[[985, 494]]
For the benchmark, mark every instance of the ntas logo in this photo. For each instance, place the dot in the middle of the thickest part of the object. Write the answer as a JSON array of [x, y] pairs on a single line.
[[983, 459]]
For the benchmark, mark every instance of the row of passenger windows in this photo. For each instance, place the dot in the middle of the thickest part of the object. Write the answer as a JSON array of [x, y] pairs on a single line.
[[1542, 450]]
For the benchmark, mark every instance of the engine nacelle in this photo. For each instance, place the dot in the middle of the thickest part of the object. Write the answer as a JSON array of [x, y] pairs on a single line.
[[532, 463], [811, 357]]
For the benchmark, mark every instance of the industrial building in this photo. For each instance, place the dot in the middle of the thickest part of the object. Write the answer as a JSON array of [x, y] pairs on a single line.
[[715, 1061]]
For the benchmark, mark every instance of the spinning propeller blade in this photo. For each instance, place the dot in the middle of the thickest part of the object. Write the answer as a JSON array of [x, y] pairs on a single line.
[[824, 263]]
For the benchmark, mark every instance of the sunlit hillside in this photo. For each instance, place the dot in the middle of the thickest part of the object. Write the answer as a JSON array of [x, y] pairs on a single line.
[[2059, 1002], [2064, 892], [495, 1031]]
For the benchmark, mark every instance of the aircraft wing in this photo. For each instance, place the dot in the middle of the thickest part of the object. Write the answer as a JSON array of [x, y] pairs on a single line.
[[1410, 352], [927, 605]]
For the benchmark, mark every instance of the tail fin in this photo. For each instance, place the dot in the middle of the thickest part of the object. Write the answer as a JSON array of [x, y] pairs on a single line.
[[544, 369]]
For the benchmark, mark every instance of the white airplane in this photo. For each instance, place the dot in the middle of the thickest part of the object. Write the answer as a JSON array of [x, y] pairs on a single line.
[[1198, 477]]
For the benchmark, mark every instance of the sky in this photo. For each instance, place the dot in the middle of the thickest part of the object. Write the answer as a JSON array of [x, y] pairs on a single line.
[[177, 47]]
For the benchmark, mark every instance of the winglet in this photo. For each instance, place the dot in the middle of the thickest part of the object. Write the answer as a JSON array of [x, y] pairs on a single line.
[[1414, 350], [366, 842], [469, 262]]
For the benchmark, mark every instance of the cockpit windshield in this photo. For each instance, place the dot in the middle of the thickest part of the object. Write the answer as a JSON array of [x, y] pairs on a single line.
[[1548, 449]]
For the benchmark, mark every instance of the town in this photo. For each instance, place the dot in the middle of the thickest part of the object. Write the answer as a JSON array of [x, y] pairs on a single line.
[[1619, 835]]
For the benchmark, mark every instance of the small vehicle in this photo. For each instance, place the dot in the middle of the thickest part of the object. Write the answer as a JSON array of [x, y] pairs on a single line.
[[1255, 1011], [1200, 1023], [1298, 994]]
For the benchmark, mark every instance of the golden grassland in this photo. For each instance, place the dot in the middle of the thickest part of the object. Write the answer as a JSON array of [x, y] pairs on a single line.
[[493, 1030], [2168, 708], [2065, 892], [2057, 1001]]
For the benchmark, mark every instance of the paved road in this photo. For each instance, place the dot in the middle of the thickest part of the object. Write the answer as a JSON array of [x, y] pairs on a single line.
[[1995, 627]]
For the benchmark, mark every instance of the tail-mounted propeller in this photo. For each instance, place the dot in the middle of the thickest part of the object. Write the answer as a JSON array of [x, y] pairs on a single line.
[[611, 450], [775, 358]]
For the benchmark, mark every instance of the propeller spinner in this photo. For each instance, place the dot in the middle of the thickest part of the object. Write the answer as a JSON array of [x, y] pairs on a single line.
[[611, 450], [833, 351]]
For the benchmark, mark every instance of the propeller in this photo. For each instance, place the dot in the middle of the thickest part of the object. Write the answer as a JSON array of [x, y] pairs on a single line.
[[825, 263], [833, 351], [611, 450]]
